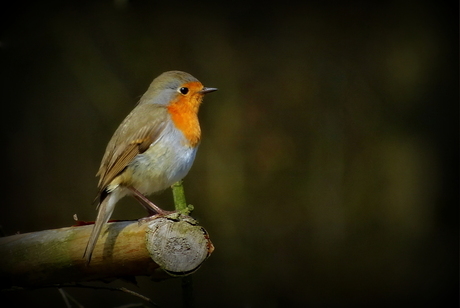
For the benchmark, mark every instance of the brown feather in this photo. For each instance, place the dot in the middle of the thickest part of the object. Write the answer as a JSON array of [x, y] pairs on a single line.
[[119, 154]]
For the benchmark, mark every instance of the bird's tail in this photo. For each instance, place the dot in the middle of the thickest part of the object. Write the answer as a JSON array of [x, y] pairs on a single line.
[[106, 208]]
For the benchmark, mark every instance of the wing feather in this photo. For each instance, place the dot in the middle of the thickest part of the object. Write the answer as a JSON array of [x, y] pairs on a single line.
[[129, 140]]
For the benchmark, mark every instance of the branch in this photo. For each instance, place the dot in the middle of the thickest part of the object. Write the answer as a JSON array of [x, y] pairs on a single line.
[[179, 199], [174, 243]]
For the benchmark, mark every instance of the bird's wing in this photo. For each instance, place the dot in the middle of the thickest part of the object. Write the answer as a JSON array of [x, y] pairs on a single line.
[[131, 140]]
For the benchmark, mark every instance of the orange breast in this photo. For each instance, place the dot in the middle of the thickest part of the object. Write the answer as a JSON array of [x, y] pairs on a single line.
[[184, 113]]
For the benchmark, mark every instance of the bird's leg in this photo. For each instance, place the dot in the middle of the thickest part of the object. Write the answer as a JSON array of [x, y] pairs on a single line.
[[146, 205], [151, 208]]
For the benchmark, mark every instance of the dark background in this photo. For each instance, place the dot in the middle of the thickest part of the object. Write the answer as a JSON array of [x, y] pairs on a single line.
[[328, 170]]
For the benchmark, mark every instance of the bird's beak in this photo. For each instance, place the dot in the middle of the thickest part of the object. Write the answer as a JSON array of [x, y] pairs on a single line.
[[206, 90]]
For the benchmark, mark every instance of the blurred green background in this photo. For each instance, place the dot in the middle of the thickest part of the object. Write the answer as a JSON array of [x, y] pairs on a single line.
[[328, 170]]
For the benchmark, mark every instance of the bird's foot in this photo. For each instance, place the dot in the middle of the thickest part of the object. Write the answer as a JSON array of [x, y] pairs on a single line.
[[167, 214]]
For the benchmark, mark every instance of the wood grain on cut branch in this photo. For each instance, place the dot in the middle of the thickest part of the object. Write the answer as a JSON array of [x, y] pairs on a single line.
[[175, 244]]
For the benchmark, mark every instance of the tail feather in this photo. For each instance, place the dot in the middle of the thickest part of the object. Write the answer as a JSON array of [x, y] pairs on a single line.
[[106, 208]]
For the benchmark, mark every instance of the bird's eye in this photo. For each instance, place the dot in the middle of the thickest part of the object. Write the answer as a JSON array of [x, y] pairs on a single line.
[[183, 90]]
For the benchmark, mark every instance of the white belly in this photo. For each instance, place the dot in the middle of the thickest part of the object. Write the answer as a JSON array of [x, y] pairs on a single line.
[[165, 162]]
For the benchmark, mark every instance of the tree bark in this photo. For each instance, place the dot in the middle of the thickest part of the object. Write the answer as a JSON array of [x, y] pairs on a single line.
[[174, 244]]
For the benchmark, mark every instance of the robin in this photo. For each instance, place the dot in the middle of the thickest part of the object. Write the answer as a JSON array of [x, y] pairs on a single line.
[[153, 147]]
